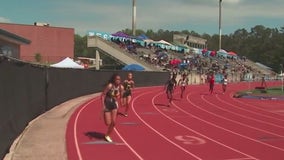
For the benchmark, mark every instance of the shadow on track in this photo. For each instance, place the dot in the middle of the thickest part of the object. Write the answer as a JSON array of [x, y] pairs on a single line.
[[95, 135]]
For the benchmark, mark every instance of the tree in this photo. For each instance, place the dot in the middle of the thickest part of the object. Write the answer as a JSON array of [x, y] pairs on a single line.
[[80, 47], [38, 57]]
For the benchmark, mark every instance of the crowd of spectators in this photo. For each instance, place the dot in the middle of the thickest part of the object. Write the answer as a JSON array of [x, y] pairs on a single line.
[[189, 62]]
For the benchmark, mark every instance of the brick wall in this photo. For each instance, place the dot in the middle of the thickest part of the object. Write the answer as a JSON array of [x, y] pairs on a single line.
[[53, 43]]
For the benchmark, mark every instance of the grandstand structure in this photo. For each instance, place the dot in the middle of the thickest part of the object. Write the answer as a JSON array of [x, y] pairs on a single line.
[[195, 60], [190, 41], [106, 47]]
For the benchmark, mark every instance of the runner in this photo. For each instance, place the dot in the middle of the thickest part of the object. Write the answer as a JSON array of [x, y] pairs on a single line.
[[183, 82], [110, 96], [224, 83], [128, 85], [170, 86], [211, 83]]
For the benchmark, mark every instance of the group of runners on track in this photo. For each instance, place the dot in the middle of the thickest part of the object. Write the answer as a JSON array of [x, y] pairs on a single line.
[[116, 93], [119, 93]]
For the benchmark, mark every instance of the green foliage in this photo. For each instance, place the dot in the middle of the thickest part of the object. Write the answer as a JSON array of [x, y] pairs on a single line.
[[38, 57]]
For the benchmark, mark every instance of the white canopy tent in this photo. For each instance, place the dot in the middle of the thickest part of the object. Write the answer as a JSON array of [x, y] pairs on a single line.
[[67, 63], [164, 42]]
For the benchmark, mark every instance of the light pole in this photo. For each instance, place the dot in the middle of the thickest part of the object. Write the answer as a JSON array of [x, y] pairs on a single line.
[[133, 17], [281, 74], [220, 23]]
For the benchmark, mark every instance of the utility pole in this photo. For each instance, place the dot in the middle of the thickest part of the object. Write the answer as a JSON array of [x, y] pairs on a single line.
[[134, 17], [220, 25], [281, 74]]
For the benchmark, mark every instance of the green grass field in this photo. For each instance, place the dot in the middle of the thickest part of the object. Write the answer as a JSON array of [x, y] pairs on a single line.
[[275, 91]]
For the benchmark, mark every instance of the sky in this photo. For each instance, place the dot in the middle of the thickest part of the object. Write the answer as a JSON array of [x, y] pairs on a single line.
[[201, 16]]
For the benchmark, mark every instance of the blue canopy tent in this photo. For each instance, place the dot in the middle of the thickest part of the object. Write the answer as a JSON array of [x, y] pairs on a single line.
[[133, 67], [142, 37], [120, 34], [222, 53]]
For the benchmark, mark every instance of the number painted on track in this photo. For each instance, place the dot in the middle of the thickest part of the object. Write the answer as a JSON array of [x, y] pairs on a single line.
[[171, 110], [190, 140]]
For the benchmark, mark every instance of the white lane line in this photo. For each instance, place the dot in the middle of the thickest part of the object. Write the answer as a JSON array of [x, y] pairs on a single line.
[[158, 133], [222, 117], [76, 123], [281, 149], [246, 110], [253, 106], [75, 127], [196, 132], [124, 141]]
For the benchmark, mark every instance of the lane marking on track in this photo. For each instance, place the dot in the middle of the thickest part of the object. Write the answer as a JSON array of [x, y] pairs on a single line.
[[190, 140], [170, 110], [130, 123], [246, 110], [79, 154], [233, 121], [215, 125], [247, 104], [157, 132], [124, 141], [239, 159], [180, 124], [103, 142], [75, 126], [149, 113]]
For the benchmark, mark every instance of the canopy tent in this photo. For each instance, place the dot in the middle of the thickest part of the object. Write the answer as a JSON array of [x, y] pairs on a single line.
[[67, 63], [222, 53], [175, 61], [120, 34], [142, 37], [180, 45], [164, 42], [231, 53], [222, 50], [149, 41], [196, 50], [133, 67], [213, 53], [162, 55], [204, 51]]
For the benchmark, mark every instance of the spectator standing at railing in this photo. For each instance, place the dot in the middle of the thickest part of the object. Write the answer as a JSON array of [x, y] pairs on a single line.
[[263, 83]]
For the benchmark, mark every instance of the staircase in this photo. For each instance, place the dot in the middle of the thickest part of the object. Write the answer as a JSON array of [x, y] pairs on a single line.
[[118, 53]]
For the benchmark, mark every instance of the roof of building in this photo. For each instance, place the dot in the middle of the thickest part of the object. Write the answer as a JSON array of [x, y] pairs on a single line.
[[13, 38]]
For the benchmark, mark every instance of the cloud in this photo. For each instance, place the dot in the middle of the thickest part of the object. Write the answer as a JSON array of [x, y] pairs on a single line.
[[94, 16], [197, 15], [4, 20], [233, 1]]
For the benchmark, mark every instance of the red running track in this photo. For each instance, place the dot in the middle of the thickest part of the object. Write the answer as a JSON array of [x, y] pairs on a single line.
[[198, 126]]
